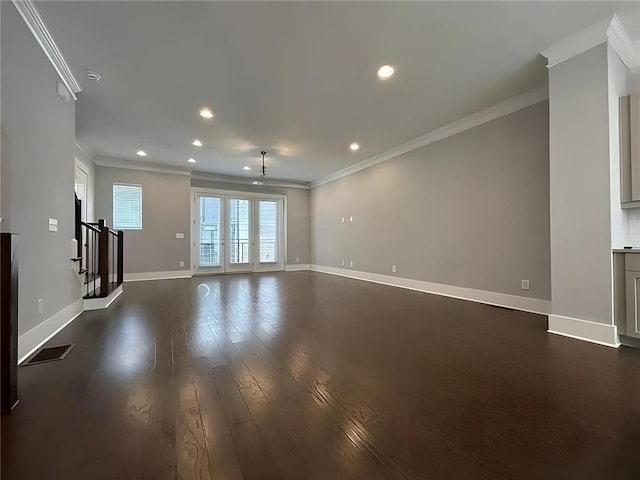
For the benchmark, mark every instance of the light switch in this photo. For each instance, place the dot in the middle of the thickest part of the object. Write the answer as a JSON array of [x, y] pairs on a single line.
[[53, 225], [179, 235]]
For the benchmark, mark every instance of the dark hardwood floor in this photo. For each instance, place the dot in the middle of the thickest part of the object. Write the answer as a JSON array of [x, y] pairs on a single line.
[[309, 376]]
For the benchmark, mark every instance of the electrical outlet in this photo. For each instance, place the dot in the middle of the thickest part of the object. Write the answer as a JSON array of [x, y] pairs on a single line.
[[342, 219], [40, 303], [181, 264], [179, 235], [342, 263], [351, 263], [297, 259], [351, 219], [525, 284], [393, 269]]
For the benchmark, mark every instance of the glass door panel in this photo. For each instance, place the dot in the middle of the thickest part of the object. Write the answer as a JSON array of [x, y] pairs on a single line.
[[269, 251], [208, 234], [268, 220], [239, 234]]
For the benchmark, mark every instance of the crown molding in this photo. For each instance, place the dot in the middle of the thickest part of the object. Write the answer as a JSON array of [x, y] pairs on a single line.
[[128, 165], [85, 152], [207, 177], [35, 22], [214, 177], [606, 30], [579, 42], [501, 109], [622, 44]]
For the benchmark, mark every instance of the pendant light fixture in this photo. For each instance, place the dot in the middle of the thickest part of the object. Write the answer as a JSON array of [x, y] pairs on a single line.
[[263, 172]]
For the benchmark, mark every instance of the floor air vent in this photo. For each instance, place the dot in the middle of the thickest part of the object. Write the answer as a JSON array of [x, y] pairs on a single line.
[[50, 354]]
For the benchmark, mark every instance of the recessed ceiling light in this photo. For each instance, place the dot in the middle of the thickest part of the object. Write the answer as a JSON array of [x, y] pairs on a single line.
[[141, 153], [354, 146], [385, 71], [191, 160], [206, 113], [196, 143], [246, 168], [257, 182]]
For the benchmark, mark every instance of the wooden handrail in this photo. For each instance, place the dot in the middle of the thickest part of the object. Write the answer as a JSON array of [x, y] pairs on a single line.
[[105, 258], [90, 226], [120, 277]]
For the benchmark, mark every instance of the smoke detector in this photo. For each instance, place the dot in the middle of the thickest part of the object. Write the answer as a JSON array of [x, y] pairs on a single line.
[[94, 76]]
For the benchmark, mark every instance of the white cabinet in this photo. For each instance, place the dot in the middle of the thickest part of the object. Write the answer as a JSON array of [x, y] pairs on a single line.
[[630, 149], [632, 283]]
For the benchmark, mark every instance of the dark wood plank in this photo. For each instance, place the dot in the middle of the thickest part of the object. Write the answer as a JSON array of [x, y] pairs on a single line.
[[191, 449]]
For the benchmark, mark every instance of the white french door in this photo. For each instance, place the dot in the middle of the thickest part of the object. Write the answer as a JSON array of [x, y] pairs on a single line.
[[236, 233], [269, 242], [239, 254], [208, 233]]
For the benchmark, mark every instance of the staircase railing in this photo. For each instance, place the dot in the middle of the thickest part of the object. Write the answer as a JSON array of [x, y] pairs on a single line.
[[102, 262]]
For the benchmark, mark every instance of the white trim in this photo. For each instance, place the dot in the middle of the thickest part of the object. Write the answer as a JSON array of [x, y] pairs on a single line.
[[104, 302], [622, 44], [501, 109], [142, 276], [34, 21], [84, 153], [526, 304], [219, 191], [203, 176], [606, 30], [268, 182], [296, 267], [111, 163], [593, 332], [30, 341]]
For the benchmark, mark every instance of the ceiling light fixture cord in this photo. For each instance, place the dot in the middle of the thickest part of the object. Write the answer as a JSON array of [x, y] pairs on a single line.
[[264, 170]]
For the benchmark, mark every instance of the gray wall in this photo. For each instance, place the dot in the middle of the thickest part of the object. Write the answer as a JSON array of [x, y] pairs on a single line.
[[471, 210], [580, 172], [165, 212], [298, 226], [298, 215], [38, 147]]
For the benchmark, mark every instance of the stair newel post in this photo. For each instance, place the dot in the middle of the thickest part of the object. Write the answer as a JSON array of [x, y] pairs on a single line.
[[103, 257], [120, 257]]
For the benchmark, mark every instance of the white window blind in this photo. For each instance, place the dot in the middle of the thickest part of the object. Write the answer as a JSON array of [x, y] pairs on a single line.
[[268, 211], [127, 207]]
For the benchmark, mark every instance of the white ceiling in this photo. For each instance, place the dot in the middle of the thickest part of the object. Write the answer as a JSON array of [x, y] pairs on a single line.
[[298, 79]]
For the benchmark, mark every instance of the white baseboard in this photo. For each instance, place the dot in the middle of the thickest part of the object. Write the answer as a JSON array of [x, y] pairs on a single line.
[[533, 305], [30, 341], [296, 267], [100, 303], [586, 330], [138, 277]]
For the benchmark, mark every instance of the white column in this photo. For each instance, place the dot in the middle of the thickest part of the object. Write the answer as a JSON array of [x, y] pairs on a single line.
[[587, 74]]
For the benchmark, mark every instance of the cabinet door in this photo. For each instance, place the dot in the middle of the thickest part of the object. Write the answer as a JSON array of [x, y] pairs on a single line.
[[633, 305]]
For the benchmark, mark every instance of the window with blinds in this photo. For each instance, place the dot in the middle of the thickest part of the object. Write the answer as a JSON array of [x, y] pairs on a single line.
[[268, 211], [127, 207]]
